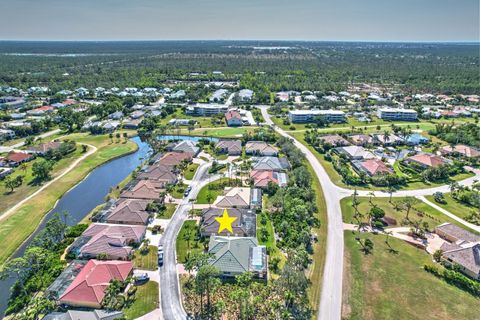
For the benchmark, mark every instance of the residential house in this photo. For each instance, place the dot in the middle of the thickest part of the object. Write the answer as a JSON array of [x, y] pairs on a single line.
[[15, 158], [355, 152], [233, 118], [137, 114], [5, 171], [387, 140], [97, 314], [426, 160], [41, 111], [219, 95], [270, 164], [129, 211], [6, 134], [236, 255], [44, 147], [361, 139], [238, 197], [132, 124], [231, 147], [182, 122], [175, 158], [372, 167], [244, 224], [245, 95], [461, 150], [144, 190], [462, 249], [186, 146], [260, 148], [262, 178], [89, 287], [111, 240], [415, 139], [116, 115], [334, 140], [164, 175]]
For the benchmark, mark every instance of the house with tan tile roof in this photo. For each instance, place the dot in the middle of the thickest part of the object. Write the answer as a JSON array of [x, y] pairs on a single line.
[[144, 190], [461, 149], [175, 158], [426, 160], [129, 211], [260, 148], [231, 147], [234, 198]]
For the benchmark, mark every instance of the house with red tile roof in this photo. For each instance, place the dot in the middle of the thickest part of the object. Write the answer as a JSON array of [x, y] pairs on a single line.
[[334, 139], [89, 287], [15, 158], [233, 118], [372, 167], [175, 158], [40, 111], [110, 239], [262, 178], [426, 160], [164, 175]]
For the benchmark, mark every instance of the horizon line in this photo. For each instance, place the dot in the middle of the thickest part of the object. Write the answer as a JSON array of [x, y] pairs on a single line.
[[246, 40]]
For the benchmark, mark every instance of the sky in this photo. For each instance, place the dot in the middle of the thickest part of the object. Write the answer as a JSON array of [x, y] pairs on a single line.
[[342, 20]]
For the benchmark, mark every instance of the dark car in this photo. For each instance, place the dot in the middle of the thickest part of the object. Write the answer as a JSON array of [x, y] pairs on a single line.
[[160, 258]]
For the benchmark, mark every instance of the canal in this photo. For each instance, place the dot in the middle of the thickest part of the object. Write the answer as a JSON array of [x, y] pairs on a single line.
[[83, 198]]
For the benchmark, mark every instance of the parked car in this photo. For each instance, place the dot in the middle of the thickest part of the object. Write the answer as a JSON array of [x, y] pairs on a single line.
[[141, 278], [187, 191], [160, 258]]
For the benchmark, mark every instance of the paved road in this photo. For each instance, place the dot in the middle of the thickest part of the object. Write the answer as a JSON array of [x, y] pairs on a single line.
[[171, 303], [20, 144], [331, 298]]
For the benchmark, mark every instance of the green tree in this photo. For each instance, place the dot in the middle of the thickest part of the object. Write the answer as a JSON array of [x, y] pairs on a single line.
[[13, 183], [41, 170]]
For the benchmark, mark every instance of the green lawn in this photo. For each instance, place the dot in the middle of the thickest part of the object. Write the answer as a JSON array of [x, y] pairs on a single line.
[[385, 285], [146, 300], [270, 242], [224, 132], [430, 215], [146, 261], [190, 170], [458, 208], [185, 247], [178, 190], [28, 216], [168, 212], [214, 193]]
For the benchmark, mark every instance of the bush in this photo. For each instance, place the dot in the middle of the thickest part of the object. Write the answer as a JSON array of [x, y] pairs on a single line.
[[439, 197]]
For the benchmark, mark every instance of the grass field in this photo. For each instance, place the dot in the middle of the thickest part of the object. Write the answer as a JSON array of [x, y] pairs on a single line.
[[9, 199], [270, 243], [146, 261], [430, 215], [458, 208], [178, 190], [385, 285], [31, 212], [203, 193], [315, 271], [190, 171], [168, 212], [184, 247], [146, 300]]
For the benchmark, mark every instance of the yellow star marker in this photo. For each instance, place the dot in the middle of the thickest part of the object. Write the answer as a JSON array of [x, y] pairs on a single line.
[[225, 222]]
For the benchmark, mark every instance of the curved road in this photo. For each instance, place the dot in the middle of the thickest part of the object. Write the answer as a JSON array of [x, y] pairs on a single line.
[[171, 301], [331, 297]]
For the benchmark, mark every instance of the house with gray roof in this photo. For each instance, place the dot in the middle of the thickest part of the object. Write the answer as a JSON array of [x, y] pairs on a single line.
[[186, 146], [235, 255], [270, 164], [96, 314], [245, 224]]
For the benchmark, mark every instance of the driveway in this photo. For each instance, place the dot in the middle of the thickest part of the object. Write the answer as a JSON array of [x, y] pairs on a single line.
[[171, 303]]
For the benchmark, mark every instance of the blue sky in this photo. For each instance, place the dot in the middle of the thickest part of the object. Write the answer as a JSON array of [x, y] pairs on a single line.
[[351, 20]]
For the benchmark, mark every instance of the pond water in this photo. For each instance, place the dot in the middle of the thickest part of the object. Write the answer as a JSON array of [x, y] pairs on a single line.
[[84, 197], [191, 138]]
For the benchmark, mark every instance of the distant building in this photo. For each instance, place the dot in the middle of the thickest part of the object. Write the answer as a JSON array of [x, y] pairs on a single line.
[[397, 114], [233, 118], [305, 116], [6, 134], [462, 150], [245, 95], [415, 139], [206, 110], [219, 95], [10, 103]]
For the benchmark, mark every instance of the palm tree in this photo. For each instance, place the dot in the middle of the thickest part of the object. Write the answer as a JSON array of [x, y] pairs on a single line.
[[408, 204], [371, 194]]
